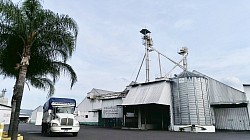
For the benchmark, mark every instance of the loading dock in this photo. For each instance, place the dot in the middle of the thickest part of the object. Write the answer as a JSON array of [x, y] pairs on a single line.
[[147, 116]]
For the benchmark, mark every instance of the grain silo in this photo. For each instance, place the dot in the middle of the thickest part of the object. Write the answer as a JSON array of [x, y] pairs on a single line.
[[191, 106]]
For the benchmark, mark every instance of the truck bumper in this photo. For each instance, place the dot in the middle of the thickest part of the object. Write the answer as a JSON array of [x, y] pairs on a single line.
[[64, 129]]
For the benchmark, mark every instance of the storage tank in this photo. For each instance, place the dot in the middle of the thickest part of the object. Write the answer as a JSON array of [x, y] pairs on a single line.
[[190, 99]]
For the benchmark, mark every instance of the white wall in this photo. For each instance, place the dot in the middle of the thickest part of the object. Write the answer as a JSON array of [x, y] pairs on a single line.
[[110, 108], [3, 101], [5, 113], [39, 118], [86, 117], [88, 107], [36, 115]]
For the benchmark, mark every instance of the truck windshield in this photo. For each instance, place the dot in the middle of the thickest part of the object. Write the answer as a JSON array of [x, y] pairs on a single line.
[[69, 110]]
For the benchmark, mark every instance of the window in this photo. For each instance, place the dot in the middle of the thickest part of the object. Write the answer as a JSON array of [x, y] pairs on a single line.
[[69, 110]]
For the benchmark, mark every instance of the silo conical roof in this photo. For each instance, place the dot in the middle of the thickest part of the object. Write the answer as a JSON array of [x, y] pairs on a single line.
[[188, 74]]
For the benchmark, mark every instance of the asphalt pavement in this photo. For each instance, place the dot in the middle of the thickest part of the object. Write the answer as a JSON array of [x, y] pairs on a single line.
[[32, 132]]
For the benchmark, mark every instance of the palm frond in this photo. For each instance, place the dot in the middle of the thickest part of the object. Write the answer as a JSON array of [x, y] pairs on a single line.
[[67, 70], [43, 83], [51, 38]]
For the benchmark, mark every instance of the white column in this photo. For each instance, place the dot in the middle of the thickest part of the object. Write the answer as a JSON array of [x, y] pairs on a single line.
[[247, 91], [139, 118]]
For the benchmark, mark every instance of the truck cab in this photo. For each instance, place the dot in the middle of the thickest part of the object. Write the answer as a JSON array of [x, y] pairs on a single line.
[[58, 116]]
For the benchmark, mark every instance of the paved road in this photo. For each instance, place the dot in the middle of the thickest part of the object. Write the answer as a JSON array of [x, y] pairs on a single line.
[[32, 132]]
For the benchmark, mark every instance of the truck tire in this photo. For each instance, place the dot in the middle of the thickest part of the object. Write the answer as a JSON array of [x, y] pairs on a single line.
[[75, 134], [48, 132], [44, 128]]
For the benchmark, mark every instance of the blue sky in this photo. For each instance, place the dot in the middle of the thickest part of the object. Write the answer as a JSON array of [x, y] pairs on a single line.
[[109, 46]]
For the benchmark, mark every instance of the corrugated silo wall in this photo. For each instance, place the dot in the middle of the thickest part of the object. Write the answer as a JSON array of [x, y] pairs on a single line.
[[191, 101]]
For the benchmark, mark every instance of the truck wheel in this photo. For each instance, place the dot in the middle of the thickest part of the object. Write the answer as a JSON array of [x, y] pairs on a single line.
[[75, 134], [44, 128], [48, 131]]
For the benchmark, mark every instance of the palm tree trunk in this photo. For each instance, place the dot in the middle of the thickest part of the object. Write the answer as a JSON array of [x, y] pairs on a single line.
[[17, 99], [13, 108]]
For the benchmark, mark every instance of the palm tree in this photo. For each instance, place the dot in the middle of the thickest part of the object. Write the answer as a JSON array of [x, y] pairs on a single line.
[[34, 46]]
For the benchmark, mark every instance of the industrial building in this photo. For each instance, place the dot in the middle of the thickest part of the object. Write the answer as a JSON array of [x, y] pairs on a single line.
[[101, 107], [188, 101]]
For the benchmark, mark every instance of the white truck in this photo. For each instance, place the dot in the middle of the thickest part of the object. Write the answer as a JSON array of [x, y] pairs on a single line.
[[58, 117]]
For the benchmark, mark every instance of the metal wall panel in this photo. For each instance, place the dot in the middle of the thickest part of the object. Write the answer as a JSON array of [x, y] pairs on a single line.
[[231, 118]]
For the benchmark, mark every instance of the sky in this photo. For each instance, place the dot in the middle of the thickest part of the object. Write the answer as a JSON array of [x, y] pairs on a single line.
[[109, 47]]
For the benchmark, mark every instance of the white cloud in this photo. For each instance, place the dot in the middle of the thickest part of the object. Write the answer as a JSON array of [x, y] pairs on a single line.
[[109, 49], [233, 82]]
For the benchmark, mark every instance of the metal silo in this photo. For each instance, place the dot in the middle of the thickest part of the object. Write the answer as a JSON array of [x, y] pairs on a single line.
[[190, 99]]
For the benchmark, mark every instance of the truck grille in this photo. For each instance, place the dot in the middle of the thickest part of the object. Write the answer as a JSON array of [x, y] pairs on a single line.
[[66, 121]]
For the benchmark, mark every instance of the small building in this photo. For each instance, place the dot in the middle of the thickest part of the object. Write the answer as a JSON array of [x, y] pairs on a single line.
[[101, 107], [37, 115], [5, 113]]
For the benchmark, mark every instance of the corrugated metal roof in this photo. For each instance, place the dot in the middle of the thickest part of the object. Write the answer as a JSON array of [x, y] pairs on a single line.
[[155, 92], [221, 93], [100, 91], [5, 105]]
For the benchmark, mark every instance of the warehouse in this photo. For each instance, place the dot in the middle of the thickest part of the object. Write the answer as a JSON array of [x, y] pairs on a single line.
[[229, 106], [187, 102], [101, 107]]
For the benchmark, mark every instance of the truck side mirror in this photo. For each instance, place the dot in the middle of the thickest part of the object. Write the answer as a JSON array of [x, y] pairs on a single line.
[[77, 113]]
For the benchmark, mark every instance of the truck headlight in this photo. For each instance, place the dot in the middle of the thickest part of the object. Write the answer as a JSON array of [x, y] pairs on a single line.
[[54, 124]]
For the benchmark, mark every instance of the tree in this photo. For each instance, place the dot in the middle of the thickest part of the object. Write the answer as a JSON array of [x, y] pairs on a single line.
[[35, 44]]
